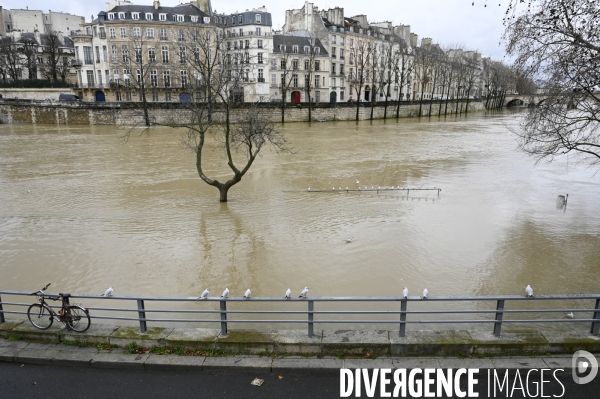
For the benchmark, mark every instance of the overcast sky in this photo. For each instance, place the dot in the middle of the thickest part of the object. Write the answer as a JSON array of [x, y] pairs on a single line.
[[448, 22]]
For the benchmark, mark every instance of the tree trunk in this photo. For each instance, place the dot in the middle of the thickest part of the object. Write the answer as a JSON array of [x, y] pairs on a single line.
[[467, 107], [223, 193], [421, 103], [282, 106]]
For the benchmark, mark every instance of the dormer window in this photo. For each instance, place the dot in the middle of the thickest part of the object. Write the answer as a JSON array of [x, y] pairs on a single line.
[[317, 50], [295, 49], [306, 50], [194, 18], [149, 16], [178, 18], [240, 19], [258, 18], [232, 20], [121, 15], [162, 17], [111, 16], [135, 16]]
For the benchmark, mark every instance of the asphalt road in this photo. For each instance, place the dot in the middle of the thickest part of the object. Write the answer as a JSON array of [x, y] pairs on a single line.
[[36, 381]]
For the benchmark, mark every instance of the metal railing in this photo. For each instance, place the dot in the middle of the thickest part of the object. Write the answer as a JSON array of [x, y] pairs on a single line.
[[310, 313]]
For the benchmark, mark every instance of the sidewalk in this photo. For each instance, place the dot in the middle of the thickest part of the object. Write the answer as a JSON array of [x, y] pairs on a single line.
[[63, 355]]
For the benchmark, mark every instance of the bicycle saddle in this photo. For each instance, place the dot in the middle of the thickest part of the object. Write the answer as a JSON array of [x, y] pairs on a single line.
[[64, 295]]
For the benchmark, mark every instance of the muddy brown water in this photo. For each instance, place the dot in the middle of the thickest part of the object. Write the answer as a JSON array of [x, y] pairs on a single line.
[[85, 211]]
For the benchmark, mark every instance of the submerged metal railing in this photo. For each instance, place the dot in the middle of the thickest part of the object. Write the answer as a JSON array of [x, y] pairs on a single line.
[[403, 313]]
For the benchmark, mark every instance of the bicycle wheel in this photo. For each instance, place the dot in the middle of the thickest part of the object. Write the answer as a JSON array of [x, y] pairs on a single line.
[[40, 316], [78, 319]]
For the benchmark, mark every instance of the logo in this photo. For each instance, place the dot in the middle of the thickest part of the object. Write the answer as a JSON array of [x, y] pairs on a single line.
[[584, 362]]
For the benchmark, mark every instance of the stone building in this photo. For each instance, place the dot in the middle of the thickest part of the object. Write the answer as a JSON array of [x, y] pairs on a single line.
[[299, 68], [32, 20], [248, 37], [133, 50], [356, 51]]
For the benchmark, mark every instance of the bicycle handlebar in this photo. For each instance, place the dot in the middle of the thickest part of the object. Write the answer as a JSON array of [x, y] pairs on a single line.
[[41, 292]]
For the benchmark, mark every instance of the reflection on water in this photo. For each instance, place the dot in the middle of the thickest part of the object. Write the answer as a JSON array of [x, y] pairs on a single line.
[[85, 211]]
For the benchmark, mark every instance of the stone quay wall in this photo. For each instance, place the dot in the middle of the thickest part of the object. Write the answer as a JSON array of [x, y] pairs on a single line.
[[124, 114]]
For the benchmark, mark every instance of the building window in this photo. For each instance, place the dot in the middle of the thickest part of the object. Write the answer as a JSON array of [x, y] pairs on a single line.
[[260, 58], [126, 77], [179, 18], [261, 77], [138, 54], [87, 55], [102, 32], [295, 80], [333, 39], [295, 65], [240, 19], [113, 49], [90, 78], [295, 49], [153, 78], [241, 32], [341, 95], [168, 97], [317, 80], [282, 64], [333, 68], [259, 43], [180, 35], [112, 33], [258, 32], [128, 96], [111, 16], [163, 34], [273, 79], [149, 16], [341, 54], [194, 18], [333, 52], [135, 16], [97, 54], [105, 53], [137, 32], [151, 54], [123, 32], [257, 18], [182, 55], [184, 78], [165, 54], [306, 50], [317, 96], [333, 83], [125, 53], [317, 50], [317, 65], [167, 78], [155, 96], [341, 42], [139, 77], [150, 33], [107, 76], [162, 17], [306, 65], [121, 15], [118, 96]]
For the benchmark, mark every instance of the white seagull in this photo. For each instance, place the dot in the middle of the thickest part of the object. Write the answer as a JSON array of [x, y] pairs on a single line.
[[304, 293], [346, 188], [309, 189], [247, 294], [288, 294], [348, 240], [425, 293], [569, 315], [405, 292], [108, 292], [225, 293], [204, 294], [357, 181], [529, 291]]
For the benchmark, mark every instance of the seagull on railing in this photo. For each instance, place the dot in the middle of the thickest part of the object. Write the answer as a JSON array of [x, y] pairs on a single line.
[[308, 188], [425, 293], [225, 293], [529, 291], [405, 292], [108, 292], [569, 315], [247, 294], [304, 293], [357, 181], [204, 294], [288, 294]]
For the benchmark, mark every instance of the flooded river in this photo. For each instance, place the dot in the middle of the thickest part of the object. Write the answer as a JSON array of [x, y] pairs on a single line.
[[85, 211]]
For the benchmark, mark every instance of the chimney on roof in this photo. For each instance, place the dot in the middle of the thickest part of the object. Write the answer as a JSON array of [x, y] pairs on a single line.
[[156, 4]]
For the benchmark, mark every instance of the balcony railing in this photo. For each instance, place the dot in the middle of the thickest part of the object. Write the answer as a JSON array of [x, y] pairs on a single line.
[[261, 80]]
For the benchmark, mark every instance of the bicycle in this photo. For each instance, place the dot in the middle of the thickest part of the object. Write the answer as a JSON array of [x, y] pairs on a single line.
[[41, 315]]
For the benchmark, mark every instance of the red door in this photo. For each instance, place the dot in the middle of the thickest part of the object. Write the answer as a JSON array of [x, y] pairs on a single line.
[[295, 97]]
